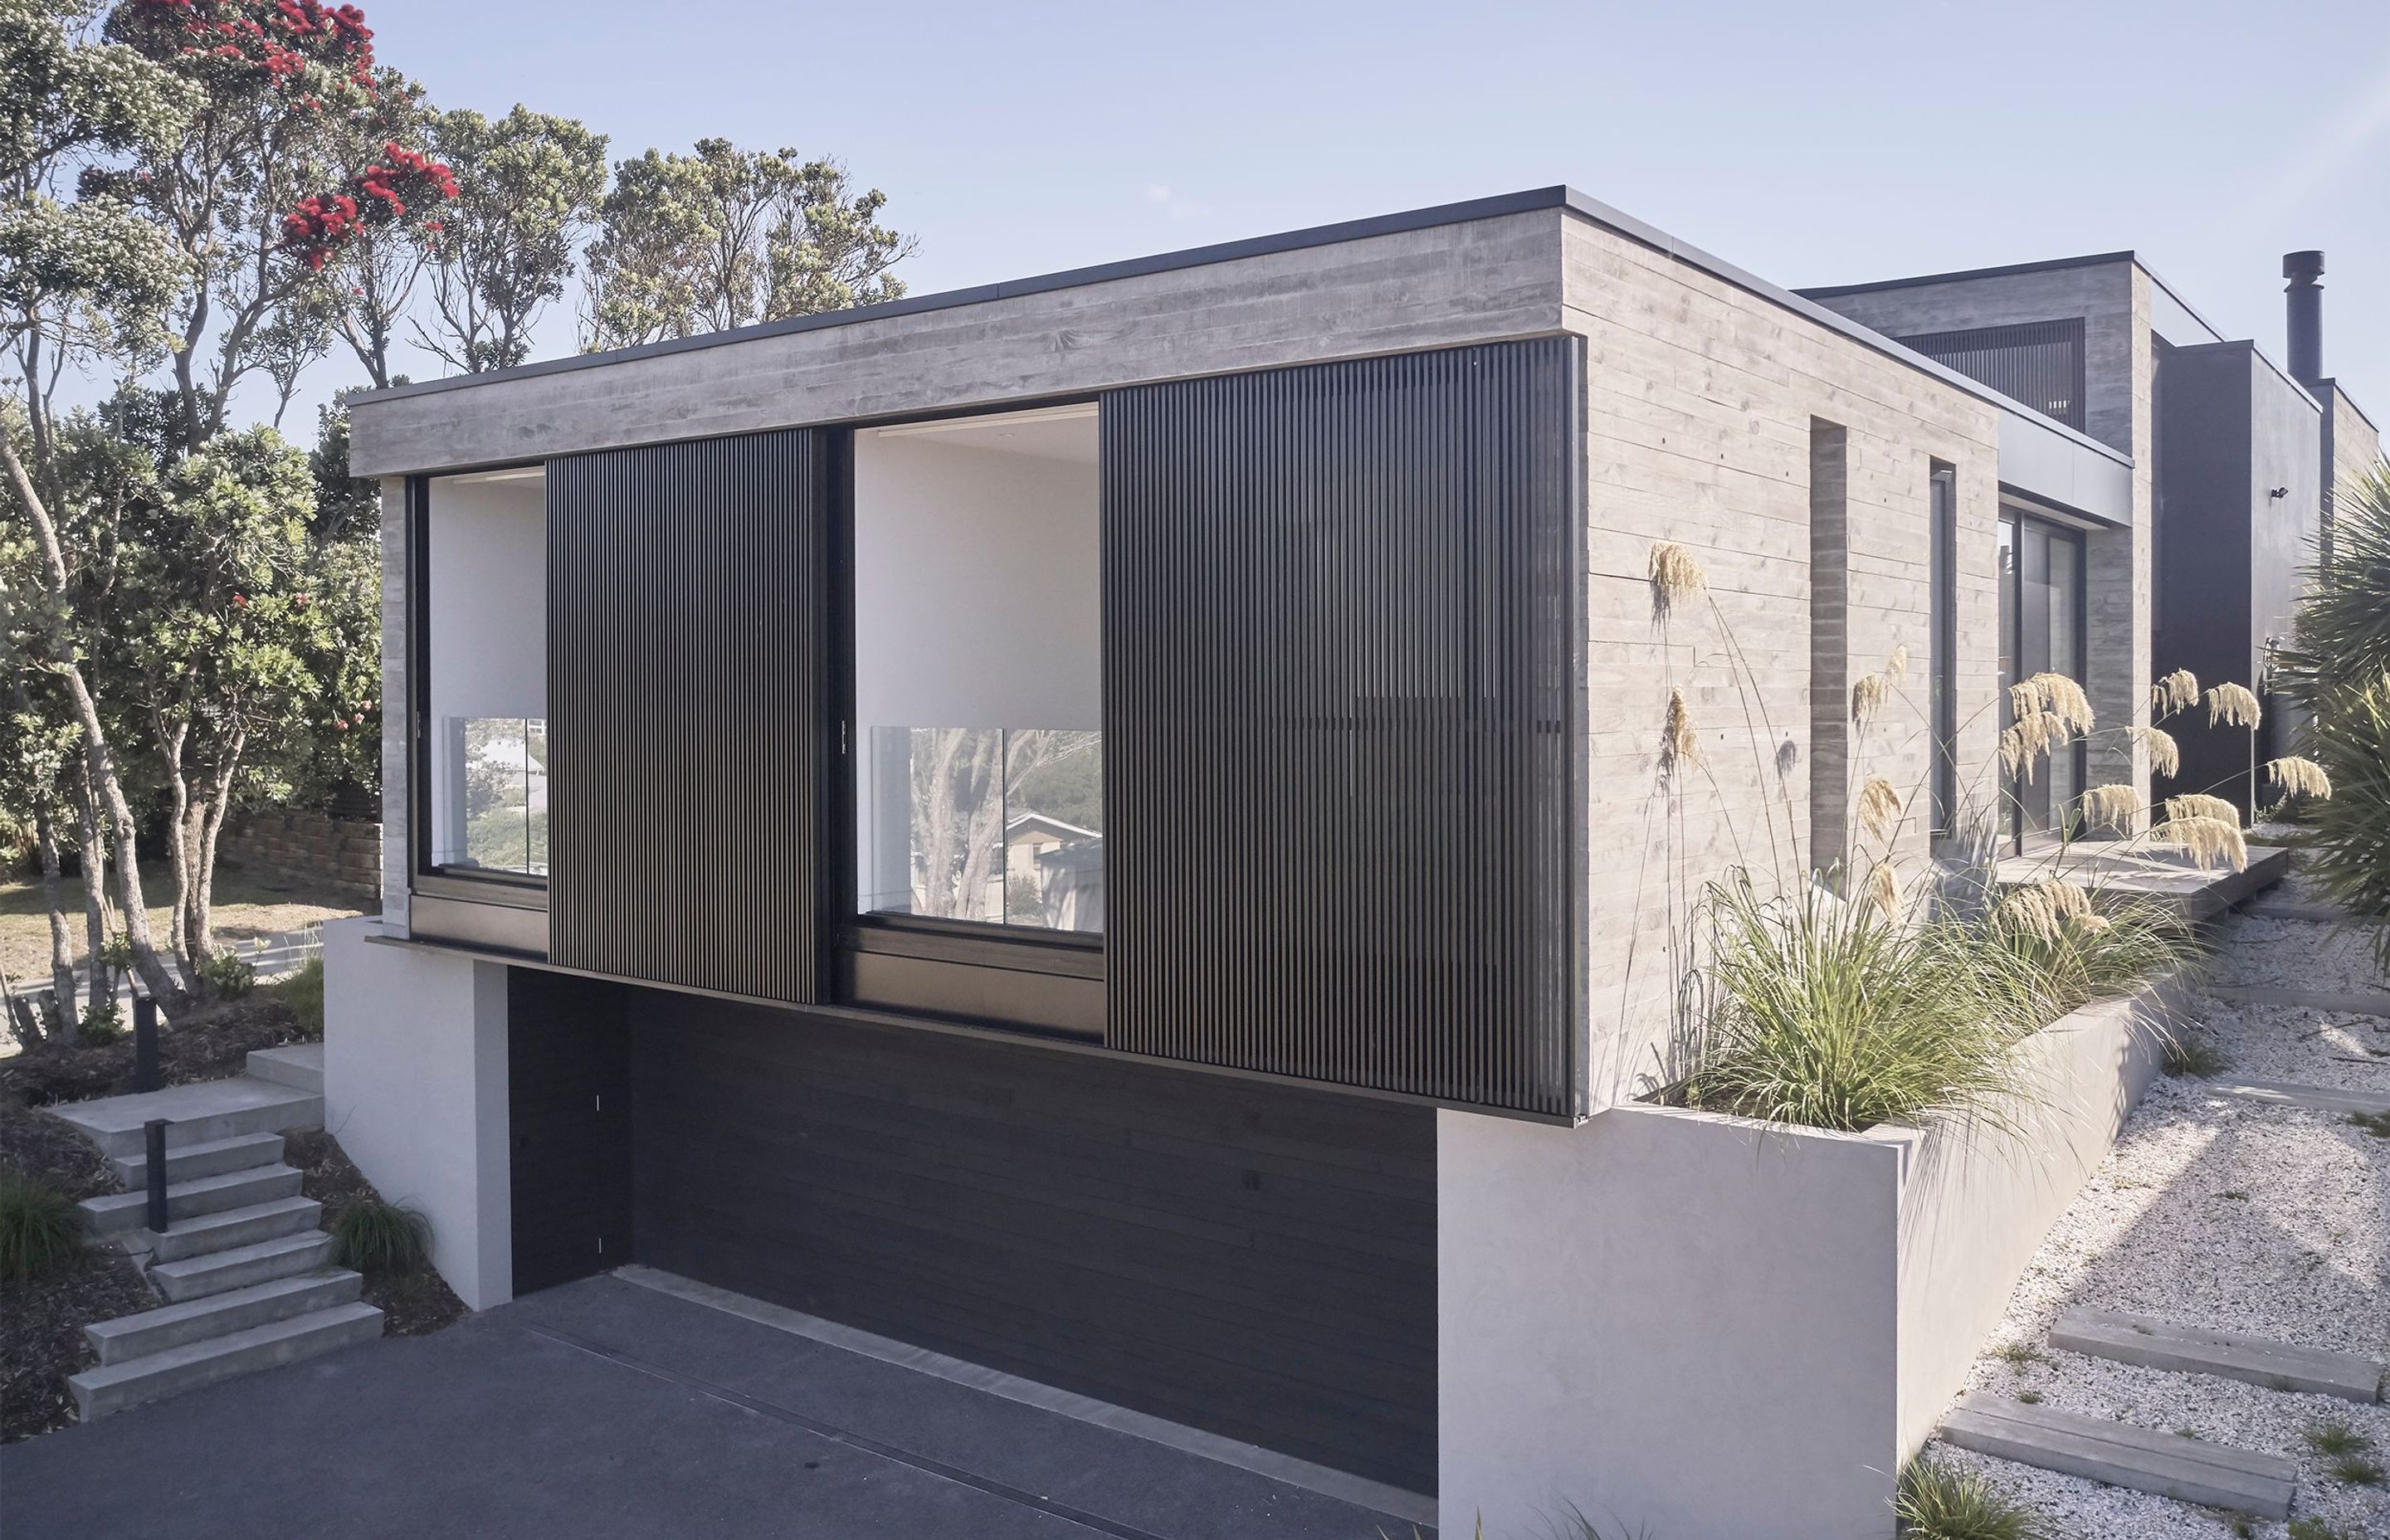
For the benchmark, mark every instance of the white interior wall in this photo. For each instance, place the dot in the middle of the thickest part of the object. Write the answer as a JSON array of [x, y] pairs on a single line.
[[488, 603], [977, 586]]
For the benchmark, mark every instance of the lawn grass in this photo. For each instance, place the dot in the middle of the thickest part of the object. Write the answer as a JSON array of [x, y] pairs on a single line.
[[245, 908]]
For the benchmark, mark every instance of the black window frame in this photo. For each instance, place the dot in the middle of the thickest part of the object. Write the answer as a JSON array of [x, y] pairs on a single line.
[[1943, 659], [1023, 977], [479, 885]]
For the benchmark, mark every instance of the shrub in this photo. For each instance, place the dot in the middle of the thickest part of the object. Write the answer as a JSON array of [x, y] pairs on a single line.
[[2350, 857], [1831, 1016], [40, 1230], [228, 975], [2190, 1057], [1935, 1502], [2103, 951], [304, 993], [102, 1024], [383, 1239]]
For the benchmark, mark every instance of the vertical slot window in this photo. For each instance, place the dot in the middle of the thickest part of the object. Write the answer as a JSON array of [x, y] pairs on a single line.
[[1944, 620]]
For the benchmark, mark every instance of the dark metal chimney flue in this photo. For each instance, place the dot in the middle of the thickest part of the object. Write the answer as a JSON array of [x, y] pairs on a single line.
[[2303, 298]]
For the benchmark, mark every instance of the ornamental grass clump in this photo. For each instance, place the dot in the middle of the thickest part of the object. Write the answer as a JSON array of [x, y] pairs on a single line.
[[40, 1231], [2064, 947], [383, 1239], [1831, 1015], [1936, 1501]]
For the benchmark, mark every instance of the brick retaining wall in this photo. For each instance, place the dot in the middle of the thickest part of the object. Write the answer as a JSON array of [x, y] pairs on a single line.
[[339, 853]]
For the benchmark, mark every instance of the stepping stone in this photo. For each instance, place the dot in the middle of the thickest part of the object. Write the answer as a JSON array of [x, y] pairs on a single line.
[[2365, 1002], [2187, 1469], [2195, 1350], [2320, 1099]]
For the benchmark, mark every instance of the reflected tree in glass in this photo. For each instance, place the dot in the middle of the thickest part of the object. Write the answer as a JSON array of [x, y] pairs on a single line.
[[504, 782], [1005, 825]]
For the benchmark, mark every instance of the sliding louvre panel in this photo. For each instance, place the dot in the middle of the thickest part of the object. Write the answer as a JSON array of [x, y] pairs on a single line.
[[686, 645], [1341, 620]]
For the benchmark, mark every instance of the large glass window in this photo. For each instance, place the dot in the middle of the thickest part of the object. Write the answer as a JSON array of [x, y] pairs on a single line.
[[2041, 630], [978, 678], [486, 599]]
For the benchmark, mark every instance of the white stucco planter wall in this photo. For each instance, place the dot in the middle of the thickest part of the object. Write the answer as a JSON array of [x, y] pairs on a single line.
[[1717, 1328], [415, 1089]]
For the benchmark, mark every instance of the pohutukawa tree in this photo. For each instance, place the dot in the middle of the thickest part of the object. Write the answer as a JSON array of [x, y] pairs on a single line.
[[726, 238], [529, 187]]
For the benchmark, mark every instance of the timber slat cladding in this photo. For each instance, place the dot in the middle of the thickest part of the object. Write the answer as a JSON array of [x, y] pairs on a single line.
[[1343, 615], [1251, 1259], [686, 647]]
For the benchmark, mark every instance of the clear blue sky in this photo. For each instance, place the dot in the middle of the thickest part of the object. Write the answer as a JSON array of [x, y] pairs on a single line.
[[1809, 144]]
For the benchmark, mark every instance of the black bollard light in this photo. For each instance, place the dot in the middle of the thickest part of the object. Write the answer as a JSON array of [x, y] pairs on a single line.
[[145, 1043], [154, 1131]]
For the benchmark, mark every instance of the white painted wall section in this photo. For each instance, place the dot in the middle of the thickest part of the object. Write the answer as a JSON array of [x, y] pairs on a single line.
[[415, 1090]]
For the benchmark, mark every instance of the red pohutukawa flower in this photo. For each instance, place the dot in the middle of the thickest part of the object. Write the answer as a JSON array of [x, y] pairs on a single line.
[[318, 226]]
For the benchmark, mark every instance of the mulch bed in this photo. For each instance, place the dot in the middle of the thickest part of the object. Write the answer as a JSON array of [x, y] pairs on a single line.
[[42, 1321], [413, 1304], [205, 1042]]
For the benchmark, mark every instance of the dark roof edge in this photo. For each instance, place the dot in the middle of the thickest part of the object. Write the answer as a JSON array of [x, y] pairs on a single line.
[[1075, 277], [1967, 274], [1799, 303]]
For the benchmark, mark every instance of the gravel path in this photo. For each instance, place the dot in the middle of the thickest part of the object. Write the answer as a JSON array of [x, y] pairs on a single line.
[[2222, 1213]]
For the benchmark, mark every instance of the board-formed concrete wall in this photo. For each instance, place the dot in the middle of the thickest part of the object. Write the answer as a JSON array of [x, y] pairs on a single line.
[[415, 1089], [1704, 401]]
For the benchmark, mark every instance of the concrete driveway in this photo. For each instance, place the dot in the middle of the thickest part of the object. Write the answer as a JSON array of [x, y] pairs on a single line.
[[609, 1408]]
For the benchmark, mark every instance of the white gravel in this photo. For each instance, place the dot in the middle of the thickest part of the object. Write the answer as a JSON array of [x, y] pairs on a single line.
[[2222, 1213]]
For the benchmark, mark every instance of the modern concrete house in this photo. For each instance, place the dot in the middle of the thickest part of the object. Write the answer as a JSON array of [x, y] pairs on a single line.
[[1297, 595], [2237, 459]]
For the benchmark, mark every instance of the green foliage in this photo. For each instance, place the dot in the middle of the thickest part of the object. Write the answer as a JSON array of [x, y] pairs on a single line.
[[1938, 1502], [529, 187], [2375, 1123], [383, 1239], [1829, 1016], [2316, 1529], [40, 1231], [2070, 964], [2356, 1470], [2332, 1437], [228, 975], [726, 238], [102, 1024], [2338, 663], [304, 993], [2190, 1057]]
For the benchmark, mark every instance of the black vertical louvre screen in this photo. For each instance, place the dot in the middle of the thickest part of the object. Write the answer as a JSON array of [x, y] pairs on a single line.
[[2039, 363], [1343, 620], [685, 647]]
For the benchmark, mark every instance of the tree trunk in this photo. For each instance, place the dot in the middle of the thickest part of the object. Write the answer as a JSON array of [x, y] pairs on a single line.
[[62, 983], [200, 927], [146, 961], [95, 886]]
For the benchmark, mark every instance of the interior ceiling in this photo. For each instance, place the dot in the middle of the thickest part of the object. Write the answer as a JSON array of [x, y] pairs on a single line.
[[1061, 433]]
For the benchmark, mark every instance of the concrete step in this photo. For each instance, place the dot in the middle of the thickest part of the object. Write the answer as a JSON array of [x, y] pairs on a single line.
[[222, 1232], [201, 1113], [2195, 1350], [119, 1212], [113, 1387], [2319, 1098], [2187, 1470], [2363, 1003], [240, 1266], [297, 1065], [171, 1326], [212, 1159]]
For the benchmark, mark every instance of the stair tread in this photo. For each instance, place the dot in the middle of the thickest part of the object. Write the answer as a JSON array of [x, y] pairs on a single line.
[[230, 1300], [330, 1319], [135, 1169], [2165, 1345], [192, 1188], [2143, 1460], [232, 1258]]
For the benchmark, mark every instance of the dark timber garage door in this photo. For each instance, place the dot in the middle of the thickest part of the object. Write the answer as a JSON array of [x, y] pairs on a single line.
[[1253, 1260]]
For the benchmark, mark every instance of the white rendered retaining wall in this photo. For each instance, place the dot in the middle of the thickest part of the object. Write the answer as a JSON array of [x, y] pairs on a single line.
[[415, 1089], [1719, 1328]]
